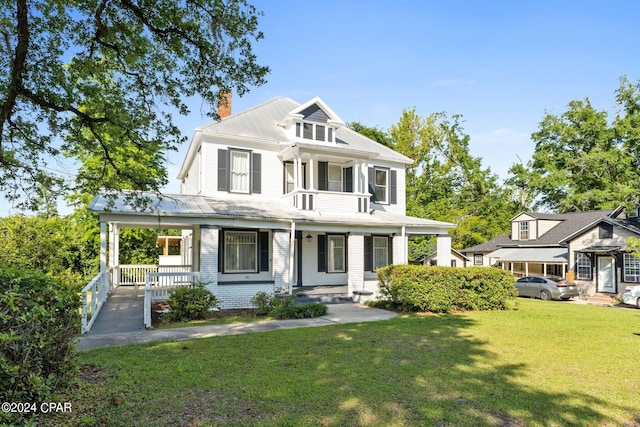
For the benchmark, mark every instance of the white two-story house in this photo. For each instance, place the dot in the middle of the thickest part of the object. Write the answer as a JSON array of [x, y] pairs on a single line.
[[283, 195]]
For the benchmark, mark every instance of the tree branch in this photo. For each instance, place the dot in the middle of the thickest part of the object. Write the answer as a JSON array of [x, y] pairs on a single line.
[[17, 67]]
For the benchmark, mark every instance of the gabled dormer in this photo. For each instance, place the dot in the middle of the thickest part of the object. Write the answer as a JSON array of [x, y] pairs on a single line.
[[531, 226], [312, 122]]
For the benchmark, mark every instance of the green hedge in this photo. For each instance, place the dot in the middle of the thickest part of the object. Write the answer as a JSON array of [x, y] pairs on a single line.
[[39, 321], [443, 289]]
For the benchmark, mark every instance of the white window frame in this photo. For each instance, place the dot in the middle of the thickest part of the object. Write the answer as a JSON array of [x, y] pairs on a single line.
[[313, 128], [584, 267], [239, 179], [631, 268], [336, 251], [333, 184], [384, 186], [380, 252], [477, 257], [288, 183], [234, 249], [523, 229]]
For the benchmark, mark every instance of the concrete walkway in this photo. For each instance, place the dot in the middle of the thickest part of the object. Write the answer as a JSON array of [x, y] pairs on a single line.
[[121, 325]]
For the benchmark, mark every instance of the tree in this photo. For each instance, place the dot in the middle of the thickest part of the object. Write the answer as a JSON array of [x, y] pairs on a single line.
[[100, 79], [373, 133], [583, 161], [446, 183]]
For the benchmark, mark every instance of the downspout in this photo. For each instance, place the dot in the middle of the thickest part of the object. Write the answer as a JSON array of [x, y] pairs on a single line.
[[292, 248]]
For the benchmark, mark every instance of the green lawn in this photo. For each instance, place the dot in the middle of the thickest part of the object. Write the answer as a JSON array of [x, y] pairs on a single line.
[[546, 364]]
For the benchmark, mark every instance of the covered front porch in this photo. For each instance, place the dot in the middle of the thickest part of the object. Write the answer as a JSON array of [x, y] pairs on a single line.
[[548, 262], [239, 248]]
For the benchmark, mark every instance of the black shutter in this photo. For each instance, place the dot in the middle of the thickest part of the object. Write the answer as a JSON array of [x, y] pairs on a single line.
[[256, 172], [223, 170], [346, 252], [322, 252], [220, 249], [368, 253], [323, 176], [390, 249], [263, 245], [372, 181], [348, 179], [393, 187]]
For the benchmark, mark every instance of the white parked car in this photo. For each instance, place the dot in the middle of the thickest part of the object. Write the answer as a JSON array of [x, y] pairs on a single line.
[[632, 296]]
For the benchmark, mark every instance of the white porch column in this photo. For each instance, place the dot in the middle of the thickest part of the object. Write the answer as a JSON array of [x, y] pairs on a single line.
[[102, 294], [281, 255], [292, 254], [209, 238], [299, 175], [526, 268], [355, 263], [400, 243], [312, 181], [114, 252], [443, 247], [544, 269]]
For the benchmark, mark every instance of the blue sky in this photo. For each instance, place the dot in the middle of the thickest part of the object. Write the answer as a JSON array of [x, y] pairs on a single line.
[[499, 64]]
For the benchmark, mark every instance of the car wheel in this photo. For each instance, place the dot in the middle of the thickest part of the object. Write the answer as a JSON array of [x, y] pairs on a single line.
[[638, 303], [545, 295]]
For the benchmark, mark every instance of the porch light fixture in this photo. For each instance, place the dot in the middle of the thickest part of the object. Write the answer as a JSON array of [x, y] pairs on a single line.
[[309, 238]]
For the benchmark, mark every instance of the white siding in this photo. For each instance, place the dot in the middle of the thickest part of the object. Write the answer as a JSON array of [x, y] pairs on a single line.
[[545, 225]]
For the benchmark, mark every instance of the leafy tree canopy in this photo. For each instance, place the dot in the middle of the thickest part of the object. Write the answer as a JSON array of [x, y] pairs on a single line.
[[445, 182], [584, 161], [96, 80]]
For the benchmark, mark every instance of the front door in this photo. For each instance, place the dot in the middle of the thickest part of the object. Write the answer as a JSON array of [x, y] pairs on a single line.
[[606, 274]]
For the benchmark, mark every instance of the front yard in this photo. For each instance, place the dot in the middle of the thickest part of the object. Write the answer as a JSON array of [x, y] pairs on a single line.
[[546, 364]]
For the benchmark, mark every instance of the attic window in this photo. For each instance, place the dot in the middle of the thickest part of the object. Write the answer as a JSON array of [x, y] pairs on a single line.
[[314, 131], [605, 231]]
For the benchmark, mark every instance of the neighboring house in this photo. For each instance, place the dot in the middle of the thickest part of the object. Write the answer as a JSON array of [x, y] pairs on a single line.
[[457, 259], [282, 195], [586, 247]]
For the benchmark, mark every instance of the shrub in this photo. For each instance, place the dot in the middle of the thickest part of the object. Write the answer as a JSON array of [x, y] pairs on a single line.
[[191, 302], [442, 289], [39, 320], [263, 302], [285, 308]]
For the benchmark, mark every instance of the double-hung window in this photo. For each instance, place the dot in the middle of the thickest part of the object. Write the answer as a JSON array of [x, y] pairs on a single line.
[[240, 249], [336, 254], [631, 268], [524, 230], [478, 259], [240, 167], [239, 171], [381, 189], [583, 267], [335, 177], [380, 251]]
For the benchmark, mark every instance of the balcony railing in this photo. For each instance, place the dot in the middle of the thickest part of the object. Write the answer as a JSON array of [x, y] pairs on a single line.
[[334, 201]]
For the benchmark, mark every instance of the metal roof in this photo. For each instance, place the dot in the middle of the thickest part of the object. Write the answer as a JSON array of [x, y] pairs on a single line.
[[538, 255], [175, 205], [264, 123]]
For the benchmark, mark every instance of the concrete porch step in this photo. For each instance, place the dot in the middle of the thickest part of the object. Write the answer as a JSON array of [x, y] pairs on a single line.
[[601, 299], [322, 294]]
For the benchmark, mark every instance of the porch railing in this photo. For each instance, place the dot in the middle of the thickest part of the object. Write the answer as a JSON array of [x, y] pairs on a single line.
[[137, 274], [159, 284], [93, 297]]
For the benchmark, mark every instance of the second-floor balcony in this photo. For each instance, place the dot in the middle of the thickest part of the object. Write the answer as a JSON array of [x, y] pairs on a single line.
[[329, 201]]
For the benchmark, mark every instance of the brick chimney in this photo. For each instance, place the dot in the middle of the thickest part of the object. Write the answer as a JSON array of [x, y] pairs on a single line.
[[224, 103]]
